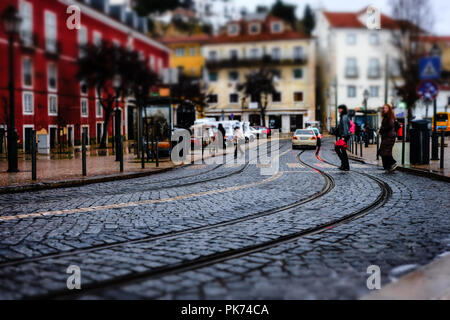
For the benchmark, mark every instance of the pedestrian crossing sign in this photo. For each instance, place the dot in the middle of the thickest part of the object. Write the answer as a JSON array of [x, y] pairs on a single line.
[[430, 68]]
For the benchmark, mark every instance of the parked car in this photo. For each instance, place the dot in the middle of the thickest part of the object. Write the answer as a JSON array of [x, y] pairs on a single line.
[[261, 132], [248, 134], [304, 138]]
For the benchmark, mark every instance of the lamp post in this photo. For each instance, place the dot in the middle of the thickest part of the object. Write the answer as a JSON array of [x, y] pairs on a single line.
[[117, 82], [366, 96], [435, 52], [11, 24]]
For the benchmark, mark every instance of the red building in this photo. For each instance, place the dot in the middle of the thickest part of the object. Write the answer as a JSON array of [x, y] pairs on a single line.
[[47, 93]]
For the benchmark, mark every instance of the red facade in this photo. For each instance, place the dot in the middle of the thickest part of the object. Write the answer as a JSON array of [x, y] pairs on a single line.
[[35, 96]]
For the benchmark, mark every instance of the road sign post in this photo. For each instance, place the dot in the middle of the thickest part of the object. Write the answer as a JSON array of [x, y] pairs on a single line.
[[429, 90]]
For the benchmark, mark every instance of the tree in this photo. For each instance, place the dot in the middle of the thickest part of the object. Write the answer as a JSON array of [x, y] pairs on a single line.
[[411, 17], [309, 20], [285, 12], [101, 64], [146, 7], [258, 85]]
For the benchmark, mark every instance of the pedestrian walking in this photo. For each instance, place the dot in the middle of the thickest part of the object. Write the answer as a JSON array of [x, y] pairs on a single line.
[[239, 139], [222, 132], [388, 136], [343, 133]]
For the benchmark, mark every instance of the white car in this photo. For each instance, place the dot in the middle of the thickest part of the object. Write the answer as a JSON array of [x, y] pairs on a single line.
[[305, 138]]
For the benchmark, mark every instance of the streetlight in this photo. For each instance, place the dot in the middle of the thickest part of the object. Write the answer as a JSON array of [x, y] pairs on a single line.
[[435, 52], [11, 24], [117, 83], [366, 96]]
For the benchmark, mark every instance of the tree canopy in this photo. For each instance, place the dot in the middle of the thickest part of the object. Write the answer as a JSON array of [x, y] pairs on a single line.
[[284, 11]]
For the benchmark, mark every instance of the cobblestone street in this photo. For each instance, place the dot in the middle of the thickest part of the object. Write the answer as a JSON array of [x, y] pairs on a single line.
[[224, 231]]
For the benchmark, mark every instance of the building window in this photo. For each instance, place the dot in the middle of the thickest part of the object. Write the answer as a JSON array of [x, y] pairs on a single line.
[[27, 72], [374, 39], [254, 28], [276, 27], [52, 105], [180, 52], [448, 100], [298, 96], [152, 62], [254, 53], [28, 103], [50, 32], [395, 67], [83, 88], [233, 76], [276, 97], [298, 53], [213, 98], [351, 68], [276, 54], [213, 76], [374, 91], [234, 54], [351, 39], [234, 98], [374, 68], [297, 73], [52, 82], [212, 55], [97, 38], [98, 109], [26, 27], [233, 29], [192, 51], [84, 107], [351, 92], [82, 40]]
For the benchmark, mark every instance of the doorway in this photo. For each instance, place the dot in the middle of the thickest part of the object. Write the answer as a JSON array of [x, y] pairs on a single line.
[[27, 140], [296, 122]]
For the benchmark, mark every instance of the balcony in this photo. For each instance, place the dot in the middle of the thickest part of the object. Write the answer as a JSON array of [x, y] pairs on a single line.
[[352, 73], [28, 41], [260, 61], [53, 48]]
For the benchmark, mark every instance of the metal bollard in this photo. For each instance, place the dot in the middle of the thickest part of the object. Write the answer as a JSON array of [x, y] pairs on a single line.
[[33, 155], [121, 153], [361, 148], [378, 147], [83, 153], [442, 148], [157, 152]]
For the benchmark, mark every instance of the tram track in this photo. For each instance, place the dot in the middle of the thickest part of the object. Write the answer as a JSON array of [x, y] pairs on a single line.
[[230, 254]]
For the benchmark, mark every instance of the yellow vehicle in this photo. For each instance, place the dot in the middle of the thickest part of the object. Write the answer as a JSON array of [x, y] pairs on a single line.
[[442, 122]]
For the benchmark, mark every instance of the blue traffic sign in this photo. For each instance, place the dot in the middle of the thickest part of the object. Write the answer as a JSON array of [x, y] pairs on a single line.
[[428, 90], [430, 68]]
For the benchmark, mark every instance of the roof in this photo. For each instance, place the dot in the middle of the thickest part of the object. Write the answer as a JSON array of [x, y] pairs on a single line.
[[434, 39], [202, 38], [351, 20]]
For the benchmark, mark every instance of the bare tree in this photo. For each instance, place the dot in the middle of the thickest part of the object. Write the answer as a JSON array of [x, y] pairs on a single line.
[[413, 19]]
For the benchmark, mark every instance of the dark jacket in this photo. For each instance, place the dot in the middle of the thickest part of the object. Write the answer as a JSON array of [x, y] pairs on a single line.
[[388, 136], [344, 127]]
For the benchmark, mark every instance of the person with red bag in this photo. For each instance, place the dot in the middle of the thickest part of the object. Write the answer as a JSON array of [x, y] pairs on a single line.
[[343, 134]]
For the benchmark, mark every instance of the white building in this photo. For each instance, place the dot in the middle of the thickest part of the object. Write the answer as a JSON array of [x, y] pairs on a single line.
[[216, 12], [353, 59]]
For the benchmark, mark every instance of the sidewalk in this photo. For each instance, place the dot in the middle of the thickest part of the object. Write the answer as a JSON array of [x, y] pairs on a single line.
[[56, 173], [432, 170]]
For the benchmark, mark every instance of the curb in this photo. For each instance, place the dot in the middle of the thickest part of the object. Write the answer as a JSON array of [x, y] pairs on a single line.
[[416, 172], [79, 182]]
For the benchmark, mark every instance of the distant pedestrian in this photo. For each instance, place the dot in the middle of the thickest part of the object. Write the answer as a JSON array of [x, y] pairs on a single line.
[[343, 133], [388, 136], [239, 140]]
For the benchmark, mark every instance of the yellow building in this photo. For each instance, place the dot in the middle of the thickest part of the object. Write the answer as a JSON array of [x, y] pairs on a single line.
[[186, 53], [262, 42]]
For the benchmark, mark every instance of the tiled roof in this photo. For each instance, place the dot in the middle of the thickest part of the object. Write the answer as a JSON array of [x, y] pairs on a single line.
[[350, 20]]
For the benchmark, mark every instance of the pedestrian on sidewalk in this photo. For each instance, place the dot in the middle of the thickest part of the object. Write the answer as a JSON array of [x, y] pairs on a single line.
[[388, 136], [343, 133], [239, 140], [222, 132]]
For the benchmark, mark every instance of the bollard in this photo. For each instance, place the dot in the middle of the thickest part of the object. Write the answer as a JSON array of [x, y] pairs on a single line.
[[121, 153], [143, 154], [403, 146], [378, 147], [157, 152], [442, 148], [83, 153], [33, 155], [361, 148]]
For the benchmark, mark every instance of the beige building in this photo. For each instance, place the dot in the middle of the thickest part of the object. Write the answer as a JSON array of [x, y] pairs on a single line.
[[261, 42]]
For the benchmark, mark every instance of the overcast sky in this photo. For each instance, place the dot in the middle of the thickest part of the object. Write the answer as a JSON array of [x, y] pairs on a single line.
[[441, 8]]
